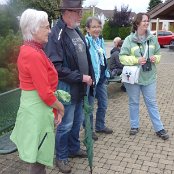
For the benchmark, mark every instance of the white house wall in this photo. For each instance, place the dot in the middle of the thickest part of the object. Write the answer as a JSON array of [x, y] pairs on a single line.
[[165, 23]]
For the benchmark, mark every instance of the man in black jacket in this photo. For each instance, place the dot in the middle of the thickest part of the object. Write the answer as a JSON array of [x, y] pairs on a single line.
[[68, 51]]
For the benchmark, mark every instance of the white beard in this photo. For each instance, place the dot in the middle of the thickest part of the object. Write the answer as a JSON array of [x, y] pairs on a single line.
[[77, 24]]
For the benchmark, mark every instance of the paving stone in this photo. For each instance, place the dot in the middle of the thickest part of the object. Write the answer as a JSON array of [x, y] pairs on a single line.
[[128, 171], [121, 153]]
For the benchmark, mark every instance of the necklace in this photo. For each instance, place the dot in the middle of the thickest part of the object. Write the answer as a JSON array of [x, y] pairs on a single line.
[[37, 46]]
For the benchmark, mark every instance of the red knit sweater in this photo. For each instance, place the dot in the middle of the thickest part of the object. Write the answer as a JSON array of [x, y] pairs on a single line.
[[36, 72]]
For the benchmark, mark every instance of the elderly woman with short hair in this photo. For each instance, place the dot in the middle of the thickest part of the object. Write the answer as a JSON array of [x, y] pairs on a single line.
[[98, 58], [33, 133]]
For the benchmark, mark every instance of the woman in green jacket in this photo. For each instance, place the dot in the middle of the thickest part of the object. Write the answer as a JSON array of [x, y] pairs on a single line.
[[142, 49]]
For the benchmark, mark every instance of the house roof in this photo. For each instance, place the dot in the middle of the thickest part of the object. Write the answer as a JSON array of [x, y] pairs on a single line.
[[107, 13], [163, 10]]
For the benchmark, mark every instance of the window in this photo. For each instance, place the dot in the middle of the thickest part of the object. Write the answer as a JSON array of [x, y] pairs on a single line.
[[167, 33]]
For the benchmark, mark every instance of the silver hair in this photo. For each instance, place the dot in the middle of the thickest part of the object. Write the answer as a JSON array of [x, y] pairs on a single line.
[[30, 21], [90, 19]]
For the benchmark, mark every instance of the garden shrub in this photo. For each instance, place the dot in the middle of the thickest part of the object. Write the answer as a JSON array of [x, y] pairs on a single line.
[[9, 50], [124, 32]]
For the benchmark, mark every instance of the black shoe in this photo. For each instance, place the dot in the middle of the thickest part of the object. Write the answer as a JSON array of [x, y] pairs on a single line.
[[162, 134], [105, 131], [94, 136], [63, 166], [80, 154], [133, 131]]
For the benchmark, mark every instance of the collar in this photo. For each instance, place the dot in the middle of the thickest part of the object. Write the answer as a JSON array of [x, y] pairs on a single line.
[[34, 44], [136, 39]]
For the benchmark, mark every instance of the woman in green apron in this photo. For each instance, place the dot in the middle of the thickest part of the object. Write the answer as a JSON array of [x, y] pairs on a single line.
[[33, 133]]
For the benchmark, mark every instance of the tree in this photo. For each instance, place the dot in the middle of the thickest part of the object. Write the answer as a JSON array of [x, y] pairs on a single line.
[[121, 18], [86, 14], [8, 21], [49, 6], [113, 21], [9, 50], [153, 3]]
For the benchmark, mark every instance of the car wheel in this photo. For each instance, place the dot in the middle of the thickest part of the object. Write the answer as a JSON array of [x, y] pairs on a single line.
[[172, 42]]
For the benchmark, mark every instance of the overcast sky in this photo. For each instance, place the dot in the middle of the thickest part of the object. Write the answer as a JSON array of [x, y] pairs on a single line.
[[135, 5], [2, 1]]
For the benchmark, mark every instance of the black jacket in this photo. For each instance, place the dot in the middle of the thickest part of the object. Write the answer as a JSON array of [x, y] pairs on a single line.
[[62, 53]]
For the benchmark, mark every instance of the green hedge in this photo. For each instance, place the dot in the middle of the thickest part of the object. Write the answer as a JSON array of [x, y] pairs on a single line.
[[124, 32], [9, 78], [9, 50], [110, 32], [4, 76]]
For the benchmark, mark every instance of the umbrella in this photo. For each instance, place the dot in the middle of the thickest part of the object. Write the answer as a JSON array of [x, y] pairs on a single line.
[[88, 141]]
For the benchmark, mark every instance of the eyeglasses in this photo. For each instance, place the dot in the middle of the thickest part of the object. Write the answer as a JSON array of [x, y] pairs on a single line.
[[144, 21], [96, 27], [46, 27], [79, 12]]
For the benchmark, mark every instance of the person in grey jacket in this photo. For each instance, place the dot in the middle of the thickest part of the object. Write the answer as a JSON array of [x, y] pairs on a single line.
[[69, 53], [115, 66]]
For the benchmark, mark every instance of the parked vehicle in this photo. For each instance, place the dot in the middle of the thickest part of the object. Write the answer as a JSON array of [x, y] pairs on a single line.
[[164, 37]]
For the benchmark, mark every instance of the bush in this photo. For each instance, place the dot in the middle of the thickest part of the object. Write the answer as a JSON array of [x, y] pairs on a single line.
[[106, 31], [83, 21], [124, 32], [110, 32], [13, 80], [114, 32], [4, 76], [9, 50], [9, 78], [8, 20]]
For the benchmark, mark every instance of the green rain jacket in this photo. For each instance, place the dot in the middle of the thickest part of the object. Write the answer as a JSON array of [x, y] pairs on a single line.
[[133, 48]]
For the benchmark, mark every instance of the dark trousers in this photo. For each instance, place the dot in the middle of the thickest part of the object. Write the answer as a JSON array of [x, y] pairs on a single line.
[[36, 168]]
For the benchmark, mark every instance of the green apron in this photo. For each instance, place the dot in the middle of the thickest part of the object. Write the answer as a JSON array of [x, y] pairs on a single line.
[[33, 133]]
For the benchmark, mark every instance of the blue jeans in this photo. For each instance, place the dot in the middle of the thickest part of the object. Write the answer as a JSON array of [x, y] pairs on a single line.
[[102, 99], [67, 135], [149, 95]]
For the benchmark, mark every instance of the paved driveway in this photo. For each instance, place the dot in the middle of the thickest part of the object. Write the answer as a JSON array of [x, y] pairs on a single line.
[[121, 153]]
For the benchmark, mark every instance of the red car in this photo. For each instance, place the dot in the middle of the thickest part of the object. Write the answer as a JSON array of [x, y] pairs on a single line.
[[165, 37]]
